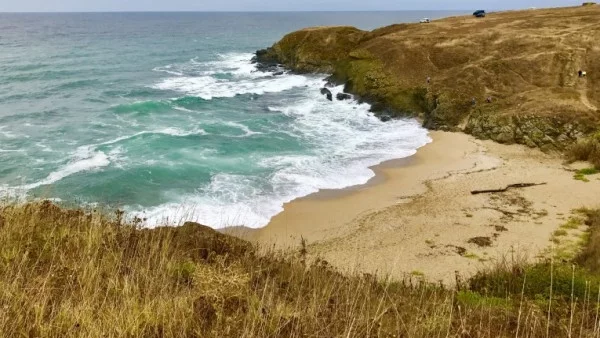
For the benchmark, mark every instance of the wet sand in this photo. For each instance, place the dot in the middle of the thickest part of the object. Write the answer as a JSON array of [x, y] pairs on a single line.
[[418, 215]]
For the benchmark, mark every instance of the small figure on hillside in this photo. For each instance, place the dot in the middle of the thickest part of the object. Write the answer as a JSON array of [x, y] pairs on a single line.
[[473, 101], [489, 99], [428, 79], [580, 73]]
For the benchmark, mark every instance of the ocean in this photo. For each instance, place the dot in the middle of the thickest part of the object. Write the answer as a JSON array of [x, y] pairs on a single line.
[[164, 116]]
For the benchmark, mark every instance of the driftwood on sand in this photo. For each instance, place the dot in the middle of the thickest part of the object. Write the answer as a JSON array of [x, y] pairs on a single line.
[[510, 186]]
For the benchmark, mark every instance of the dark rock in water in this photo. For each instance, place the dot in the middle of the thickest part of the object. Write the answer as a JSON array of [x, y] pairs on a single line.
[[343, 96], [267, 68], [278, 73], [385, 118], [377, 107], [327, 93], [266, 60], [332, 81], [265, 56]]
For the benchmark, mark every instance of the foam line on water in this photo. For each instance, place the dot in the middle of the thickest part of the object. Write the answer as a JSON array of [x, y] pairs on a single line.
[[84, 159], [88, 157]]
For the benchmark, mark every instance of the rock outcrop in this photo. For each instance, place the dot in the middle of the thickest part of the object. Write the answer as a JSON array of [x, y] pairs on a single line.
[[343, 96], [520, 69], [327, 93]]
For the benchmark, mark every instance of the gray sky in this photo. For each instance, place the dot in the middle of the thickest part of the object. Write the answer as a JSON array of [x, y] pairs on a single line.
[[266, 5]]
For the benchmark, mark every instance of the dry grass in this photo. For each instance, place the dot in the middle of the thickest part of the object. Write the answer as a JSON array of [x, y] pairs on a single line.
[[586, 150], [66, 273], [526, 61]]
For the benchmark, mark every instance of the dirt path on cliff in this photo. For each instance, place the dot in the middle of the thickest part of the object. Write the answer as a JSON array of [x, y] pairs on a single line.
[[586, 102]]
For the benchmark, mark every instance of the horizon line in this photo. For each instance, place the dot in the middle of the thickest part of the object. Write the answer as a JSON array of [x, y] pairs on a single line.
[[262, 11]]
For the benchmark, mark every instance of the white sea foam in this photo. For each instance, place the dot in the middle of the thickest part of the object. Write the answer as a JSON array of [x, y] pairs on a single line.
[[178, 132], [207, 87], [243, 128], [44, 146], [183, 109], [167, 69], [6, 133], [197, 78], [346, 140]]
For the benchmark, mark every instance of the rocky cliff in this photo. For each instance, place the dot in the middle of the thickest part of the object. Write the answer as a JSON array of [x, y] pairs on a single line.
[[512, 77]]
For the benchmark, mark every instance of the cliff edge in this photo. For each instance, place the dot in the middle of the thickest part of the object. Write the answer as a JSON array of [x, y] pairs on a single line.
[[512, 77]]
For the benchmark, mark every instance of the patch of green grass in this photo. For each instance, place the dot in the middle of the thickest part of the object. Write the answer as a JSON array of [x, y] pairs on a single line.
[[572, 223], [508, 279], [559, 233], [471, 255], [588, 171], [417, 273], [475, 299], [580, 175], [584, 237], [563, 254]]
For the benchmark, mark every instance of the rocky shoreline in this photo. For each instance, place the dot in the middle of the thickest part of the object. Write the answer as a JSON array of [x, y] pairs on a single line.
[[511, 78]]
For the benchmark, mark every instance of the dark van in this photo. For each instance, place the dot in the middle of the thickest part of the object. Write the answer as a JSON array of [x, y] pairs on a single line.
[[479, 14]]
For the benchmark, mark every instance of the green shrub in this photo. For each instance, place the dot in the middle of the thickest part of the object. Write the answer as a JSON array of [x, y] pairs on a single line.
[[586, 150], [501, 282]]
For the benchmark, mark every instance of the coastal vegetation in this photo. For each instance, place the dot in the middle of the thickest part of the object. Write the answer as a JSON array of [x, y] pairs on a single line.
[[587, 149], [513, 77], [67, 273]]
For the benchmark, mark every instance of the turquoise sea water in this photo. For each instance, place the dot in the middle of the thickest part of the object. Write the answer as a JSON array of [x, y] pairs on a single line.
[[164, 115]]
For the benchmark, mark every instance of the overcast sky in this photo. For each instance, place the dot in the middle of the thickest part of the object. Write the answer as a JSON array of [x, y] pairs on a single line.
[[266, 5]]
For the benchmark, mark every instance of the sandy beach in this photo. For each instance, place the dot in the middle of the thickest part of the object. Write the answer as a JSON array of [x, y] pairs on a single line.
[[418, 215]]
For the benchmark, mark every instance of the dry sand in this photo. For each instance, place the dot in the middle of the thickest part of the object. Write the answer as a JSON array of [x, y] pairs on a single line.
[[418, 215]]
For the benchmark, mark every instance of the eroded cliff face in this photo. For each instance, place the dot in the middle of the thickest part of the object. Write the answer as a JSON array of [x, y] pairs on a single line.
[[511, 77]]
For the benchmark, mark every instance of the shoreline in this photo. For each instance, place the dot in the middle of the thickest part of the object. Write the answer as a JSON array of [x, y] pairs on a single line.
[[384, 173], [379, 177], [417, 214]]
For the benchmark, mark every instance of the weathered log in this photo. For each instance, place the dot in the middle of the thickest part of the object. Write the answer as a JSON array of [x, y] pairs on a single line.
[[510, 186]]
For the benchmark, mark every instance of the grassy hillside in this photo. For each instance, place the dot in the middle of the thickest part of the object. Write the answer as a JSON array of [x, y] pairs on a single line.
[[69, 273], [527, 62]]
